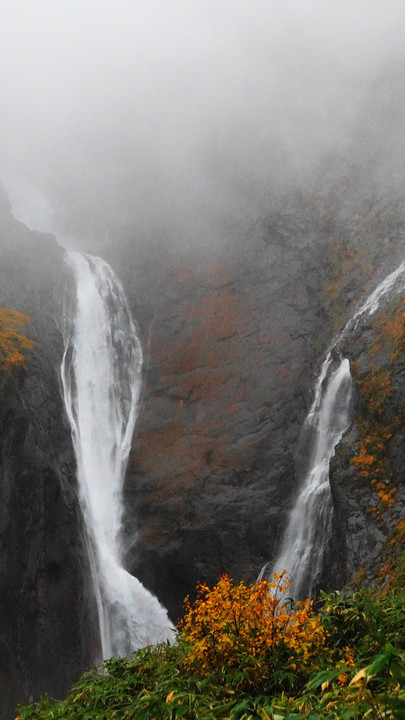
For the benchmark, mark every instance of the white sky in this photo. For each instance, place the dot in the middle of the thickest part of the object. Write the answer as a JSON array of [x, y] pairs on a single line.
[[162, 113]]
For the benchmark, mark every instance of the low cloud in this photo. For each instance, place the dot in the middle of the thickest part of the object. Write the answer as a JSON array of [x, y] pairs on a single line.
[[175, 117]]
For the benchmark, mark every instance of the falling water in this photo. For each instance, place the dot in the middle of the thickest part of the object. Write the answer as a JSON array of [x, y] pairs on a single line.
[[309, 524], [101, 376], [310, 521]]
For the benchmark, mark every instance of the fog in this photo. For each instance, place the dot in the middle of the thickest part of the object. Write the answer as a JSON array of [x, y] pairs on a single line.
[[182, 119]]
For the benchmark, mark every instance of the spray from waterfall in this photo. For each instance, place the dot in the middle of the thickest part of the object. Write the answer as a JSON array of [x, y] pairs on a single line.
[[101, 377], [310, 521]]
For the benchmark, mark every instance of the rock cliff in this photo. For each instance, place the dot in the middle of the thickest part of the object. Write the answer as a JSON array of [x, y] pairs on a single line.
[[43, 606], [233, 346], [233, 339], [367, 481]]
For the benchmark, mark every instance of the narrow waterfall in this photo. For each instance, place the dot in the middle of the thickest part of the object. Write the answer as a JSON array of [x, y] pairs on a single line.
[[309, 525], [101, 377], [308, 528]]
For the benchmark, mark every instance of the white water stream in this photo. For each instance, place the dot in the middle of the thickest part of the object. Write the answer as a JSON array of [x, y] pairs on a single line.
[[101, 376], [309, 525]]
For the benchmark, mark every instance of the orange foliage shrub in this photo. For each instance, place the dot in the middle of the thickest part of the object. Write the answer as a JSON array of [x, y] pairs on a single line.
[[373, 462], [348, 660], [12, 342], [230, 623], [364, 460]]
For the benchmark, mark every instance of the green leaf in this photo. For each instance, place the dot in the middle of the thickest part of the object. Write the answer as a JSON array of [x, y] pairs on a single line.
[[379, 663], [398, 671], [241, 709], [326, 676], [181, 710]]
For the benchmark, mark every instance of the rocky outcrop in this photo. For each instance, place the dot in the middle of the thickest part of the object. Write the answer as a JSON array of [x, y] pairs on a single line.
[[367, 480], [45, 633]]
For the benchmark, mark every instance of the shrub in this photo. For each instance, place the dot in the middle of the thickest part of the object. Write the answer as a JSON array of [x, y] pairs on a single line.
[[238, 626], [13, 344], [164, 682]]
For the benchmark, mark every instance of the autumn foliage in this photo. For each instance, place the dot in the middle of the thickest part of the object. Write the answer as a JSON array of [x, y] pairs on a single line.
[[13, 343], [232, 623], [347, 663]]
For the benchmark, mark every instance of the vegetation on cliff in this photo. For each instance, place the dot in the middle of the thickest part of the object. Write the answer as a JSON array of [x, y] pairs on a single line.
[[381, 418], [13, 344], [245, 653]]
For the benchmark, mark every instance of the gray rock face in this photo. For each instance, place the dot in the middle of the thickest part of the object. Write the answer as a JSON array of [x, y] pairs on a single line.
[[45, 632], [230, 355], [232, 350], [367, 481]]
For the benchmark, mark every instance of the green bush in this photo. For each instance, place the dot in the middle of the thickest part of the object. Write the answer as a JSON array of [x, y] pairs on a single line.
[[360, 674]]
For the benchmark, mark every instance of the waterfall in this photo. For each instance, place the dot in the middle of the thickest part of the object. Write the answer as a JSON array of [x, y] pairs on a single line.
[[310, 521], [101, 378], [308, 528]]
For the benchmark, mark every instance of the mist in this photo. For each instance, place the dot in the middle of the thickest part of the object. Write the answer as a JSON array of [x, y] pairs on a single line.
[[184, 120]]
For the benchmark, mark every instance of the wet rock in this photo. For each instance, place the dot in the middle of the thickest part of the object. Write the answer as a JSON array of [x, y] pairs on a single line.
[[366, 476], [44, 599]]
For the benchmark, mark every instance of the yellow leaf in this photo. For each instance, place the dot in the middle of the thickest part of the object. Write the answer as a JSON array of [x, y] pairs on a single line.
[[169, 697], [359, 676]]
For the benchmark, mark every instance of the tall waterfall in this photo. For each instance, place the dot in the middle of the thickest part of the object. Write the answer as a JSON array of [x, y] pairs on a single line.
[[101, 377], [309, 525]]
